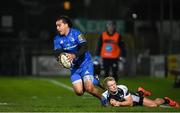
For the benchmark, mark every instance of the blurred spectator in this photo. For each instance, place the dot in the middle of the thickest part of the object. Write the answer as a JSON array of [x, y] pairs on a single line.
[[111, 49]]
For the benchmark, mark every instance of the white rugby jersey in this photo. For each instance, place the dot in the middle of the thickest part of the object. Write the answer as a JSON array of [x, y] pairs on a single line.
[[120, 95]]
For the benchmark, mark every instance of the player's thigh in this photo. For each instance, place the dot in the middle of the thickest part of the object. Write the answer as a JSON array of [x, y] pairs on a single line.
[[88, 76], [78, 88], [77, 84], [87, 72], [88, 85], [149, 103]]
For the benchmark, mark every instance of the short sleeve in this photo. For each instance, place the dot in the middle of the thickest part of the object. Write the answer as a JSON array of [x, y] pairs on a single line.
[[125, 90], [80, 37], [105, 94]]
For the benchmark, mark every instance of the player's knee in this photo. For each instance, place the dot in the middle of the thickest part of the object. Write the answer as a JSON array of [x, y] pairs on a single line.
[[153, 105], [89, 88], [159, 101], [79, 93]]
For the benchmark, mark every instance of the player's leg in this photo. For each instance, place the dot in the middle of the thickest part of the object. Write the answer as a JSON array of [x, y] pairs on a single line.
[[90, 88], [78, 88], [77, 82], [139, 99], [145, 92], [166, 100], [171, 102], [96, 82], [89, 80], [97, 71], [149, 103], [159, 101]]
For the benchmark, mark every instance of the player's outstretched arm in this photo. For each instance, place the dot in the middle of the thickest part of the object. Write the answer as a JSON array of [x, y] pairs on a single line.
[[128, 102]]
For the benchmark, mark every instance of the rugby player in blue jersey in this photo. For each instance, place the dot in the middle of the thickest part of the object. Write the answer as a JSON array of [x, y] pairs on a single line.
[[73, 42]]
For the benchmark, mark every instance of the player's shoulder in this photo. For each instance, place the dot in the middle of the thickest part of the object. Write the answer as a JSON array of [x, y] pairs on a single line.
[[123, 87], [105, 94], [57, 37], [74, 30]]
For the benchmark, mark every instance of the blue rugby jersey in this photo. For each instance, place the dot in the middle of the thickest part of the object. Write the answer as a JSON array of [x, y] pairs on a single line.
[[70, 44]]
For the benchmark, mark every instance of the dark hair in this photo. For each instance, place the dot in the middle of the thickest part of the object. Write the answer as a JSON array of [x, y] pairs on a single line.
[[66, 20]]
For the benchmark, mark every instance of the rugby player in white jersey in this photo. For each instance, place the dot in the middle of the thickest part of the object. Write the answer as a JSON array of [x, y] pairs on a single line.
[[119, 95]]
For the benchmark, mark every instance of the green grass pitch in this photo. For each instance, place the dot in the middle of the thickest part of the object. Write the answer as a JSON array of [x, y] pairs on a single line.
[[31, 94]]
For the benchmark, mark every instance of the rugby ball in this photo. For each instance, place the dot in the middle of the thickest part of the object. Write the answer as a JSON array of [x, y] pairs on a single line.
[[64, 61]]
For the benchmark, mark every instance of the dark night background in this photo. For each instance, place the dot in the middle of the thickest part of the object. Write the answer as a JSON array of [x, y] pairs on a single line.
[[33, 26]]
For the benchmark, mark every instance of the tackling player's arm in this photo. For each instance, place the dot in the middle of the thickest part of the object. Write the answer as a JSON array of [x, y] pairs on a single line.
[[127, 102]]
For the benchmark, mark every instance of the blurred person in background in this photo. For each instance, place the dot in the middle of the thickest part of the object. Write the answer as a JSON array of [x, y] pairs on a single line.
[[73, 42], [119, 95], [111, 49]]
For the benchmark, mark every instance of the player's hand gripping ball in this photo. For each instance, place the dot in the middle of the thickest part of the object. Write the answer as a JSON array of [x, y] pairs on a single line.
[[64, 60]]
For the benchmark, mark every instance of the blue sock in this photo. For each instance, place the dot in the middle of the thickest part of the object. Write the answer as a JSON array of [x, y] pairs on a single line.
[[96, 81]]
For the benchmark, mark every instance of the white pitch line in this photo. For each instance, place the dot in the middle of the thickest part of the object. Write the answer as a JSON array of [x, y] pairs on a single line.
[[61, 84], [64, 86], [4, 104]]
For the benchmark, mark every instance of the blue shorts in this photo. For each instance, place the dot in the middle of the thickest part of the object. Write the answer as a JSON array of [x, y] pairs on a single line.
[[84, 73]]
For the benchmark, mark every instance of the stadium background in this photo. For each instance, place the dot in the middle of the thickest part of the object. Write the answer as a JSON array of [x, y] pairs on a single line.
[[151, 30]]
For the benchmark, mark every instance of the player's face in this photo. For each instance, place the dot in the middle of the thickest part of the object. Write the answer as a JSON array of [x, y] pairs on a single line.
[[111, 86], [62, 27]]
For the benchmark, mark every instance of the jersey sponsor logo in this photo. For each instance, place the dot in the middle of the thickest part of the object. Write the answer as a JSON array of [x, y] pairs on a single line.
[[81, 38], [71, 47]]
